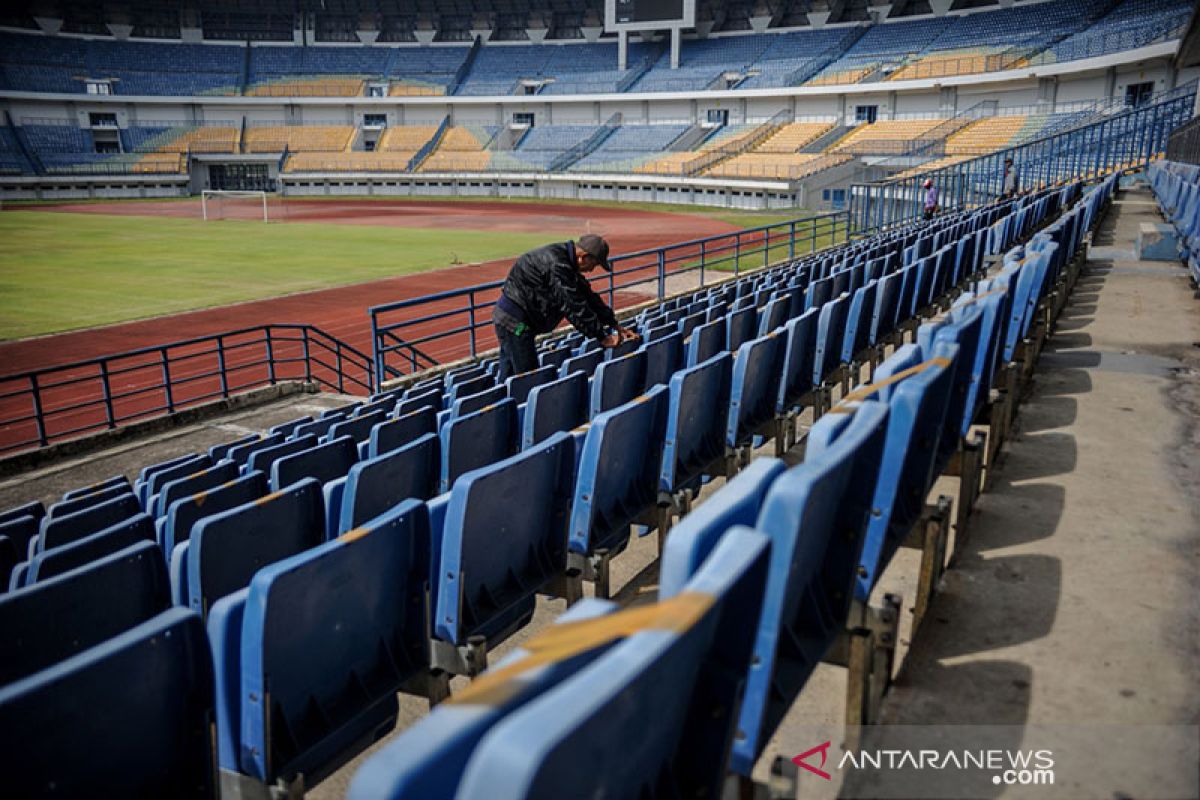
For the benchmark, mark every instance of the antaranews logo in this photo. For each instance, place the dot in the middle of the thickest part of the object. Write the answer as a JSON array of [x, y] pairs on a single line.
[[1008, 767]]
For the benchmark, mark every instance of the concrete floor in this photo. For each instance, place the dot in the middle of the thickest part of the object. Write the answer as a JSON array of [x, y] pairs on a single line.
[[1075, 603]]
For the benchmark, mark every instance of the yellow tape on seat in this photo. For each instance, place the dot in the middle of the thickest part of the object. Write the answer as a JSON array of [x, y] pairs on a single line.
[[871, 388]]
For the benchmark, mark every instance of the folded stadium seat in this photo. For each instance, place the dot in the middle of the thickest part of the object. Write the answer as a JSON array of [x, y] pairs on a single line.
[[149, 486], [261, 460], [489, 566], [129, 717], [202, 481], [374, 485], [87, 605], [392, 434], [107, 483], [519, 386], [20, 532], [757, 371], [34, 509], [426, 761], [150, 469], [240, 454], [815, 515], [694, 446], [57, 560], [827, 356], [464, 374], [593, 725], [884, 319], [664, 355], [175, 527], [688, 324], [583, 362], [382, 405], [316, 429], [795, 389], [226, 549], [8, 561], [430, 397], [775, 313], [706, 341], [554, 357], [818, 293], [466, 388], [469, 404], [857, 344], [621, 350], [289, 427], [617, 382], [916, 413], [478, 439], [560, 405], [73, 527], [964, 332], [616, 484], [309, 657], [324, 463]]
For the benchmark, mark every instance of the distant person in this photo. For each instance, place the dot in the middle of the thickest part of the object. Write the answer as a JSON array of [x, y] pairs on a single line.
[[545, 285], [1011, 183], [931, 199]]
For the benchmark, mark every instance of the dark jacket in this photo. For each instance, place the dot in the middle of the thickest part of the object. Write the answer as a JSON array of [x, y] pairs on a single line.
[[546, 285]]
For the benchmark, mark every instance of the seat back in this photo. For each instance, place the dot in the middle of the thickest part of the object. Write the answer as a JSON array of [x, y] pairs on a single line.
[[395, 433], [664, 355], [240, 454], [519, 386], [324, 463], [357, 427], [87, 605], [203, 481], [83, 502], [740, 327], [617, 382], [857, 337], [289, 427], [697, 409], [560, 405], [57, 560], [618, 473], [831, 329], [183, 513], [262, 460], [226, 549], [129, 717], [495, 553], [754, 388], [796, 374], [585, 363], [378, 484], [477, 439], [73, 527]]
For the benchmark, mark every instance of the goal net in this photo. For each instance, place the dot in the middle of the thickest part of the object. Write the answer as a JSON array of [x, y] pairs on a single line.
[[228, 204]]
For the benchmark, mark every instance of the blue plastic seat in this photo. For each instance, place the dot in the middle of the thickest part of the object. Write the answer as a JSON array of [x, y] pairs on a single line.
[[887, 307], [357, 427], [519, 386], [560, 405], [831, 329], [478, 439], [797, 371], [616, 382], [395, 433], [73, 527], [495, 554], [618, 474], [857, 336], [289, 427], [964, 333], [325, 462], [147, 488], [740, 327], [688, 324], [64, 507], [317, 429], [130, 717], [226, 549], [240, 454], [262, 460], [203, 481], [58, 617], [20, 531], [697, 411], [664, 355], [430, 398], [585, 363], [373, 486], [176, 526], [80, 552], [593, 726], [816, 516], [775, 315], [310, 656], [107, 483], [755, 385], [707, 341]]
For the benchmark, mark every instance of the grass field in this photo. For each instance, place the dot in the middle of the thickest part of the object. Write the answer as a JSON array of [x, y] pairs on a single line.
[[62, 272]]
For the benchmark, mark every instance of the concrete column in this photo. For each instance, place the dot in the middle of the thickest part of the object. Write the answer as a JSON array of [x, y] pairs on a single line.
[[676, 36], [622, 49]]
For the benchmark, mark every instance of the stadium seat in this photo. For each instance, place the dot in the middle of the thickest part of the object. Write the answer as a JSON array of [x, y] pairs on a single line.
[[73, 527], [584, 362], [697, 411], [519, 386], [129, 717], [20, 531], [616, 382], [240, 454], [325, 463], [86, 606], [310, 655], [429, 398], [75, 504], [398, 432], [79, 552], [664, 355], [478, 439], [262, 460], [176, 526], [226, 549], [357, 427], [202, 481], [150, 485], [373, 486], [560, 405], [707, 341], [795, 380], [107, 483], [289, 427], [755, 385]]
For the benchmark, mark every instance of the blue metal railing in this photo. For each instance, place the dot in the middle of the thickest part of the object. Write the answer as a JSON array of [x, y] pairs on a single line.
[[415, 334], [1124, 140], [47, 405]]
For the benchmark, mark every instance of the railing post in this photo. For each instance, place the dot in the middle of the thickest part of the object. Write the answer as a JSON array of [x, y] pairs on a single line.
[[662, 275], [341, 374], [766, 247], [270, 356], [471, 322], [221, 366], [377, 348], [110, 414], [737, 253], [792, 240], [307, 358], [166, 373], [38, 418]]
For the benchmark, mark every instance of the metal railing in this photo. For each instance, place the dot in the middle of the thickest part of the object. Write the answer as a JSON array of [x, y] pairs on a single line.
[[56, 403], [415, 334], [1184, 143], [1121, 141]]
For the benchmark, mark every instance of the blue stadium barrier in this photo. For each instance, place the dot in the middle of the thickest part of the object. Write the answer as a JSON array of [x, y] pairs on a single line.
[[816, 515], [262, 460], [593, 727], [616, 382], [426, 762], [56, 618], [560, 405], [226, 549], [478, 439], [395, 433], [616, 484], [310, 655], [203, 481], [495, 554], [325, 462], [57, 560], [373, 486], [694, 445], [129, 717], [73, 527]]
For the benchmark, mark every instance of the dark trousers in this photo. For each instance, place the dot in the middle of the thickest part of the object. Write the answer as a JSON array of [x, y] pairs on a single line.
[[517, 353]]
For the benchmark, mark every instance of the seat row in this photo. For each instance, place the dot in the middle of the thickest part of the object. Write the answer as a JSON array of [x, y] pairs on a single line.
[[1177, 188]]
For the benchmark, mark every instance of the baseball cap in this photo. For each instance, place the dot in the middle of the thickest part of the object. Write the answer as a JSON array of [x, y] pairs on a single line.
[[595, 247]]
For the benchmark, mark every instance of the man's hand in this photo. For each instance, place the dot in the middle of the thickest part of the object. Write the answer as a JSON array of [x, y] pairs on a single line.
[[610, 341], [628, 335]]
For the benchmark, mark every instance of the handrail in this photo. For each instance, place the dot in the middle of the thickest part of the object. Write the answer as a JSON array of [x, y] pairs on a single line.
[[61, 402], [412, 334], [578, 151], [740, 144], [428, 148]]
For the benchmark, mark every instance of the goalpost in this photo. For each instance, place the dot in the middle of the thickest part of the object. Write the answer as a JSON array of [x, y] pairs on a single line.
[[217, 203]]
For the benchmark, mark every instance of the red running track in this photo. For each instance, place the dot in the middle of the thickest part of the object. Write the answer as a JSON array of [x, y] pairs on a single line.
[[341, 312]]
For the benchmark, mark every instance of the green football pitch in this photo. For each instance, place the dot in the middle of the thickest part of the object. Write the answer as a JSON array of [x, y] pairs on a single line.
[[67, 271]]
